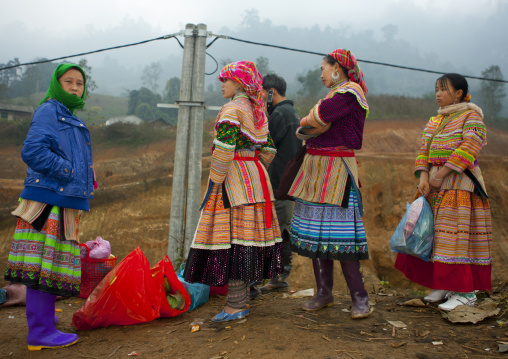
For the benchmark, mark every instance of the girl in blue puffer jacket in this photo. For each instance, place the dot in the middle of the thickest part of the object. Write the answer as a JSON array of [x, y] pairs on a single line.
[[60, 180]]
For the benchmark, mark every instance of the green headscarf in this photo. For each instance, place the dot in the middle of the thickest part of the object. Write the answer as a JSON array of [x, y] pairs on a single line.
[[55, 91]]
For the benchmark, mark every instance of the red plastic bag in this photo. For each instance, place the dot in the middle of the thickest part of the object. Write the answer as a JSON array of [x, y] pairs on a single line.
[[127, 295], [165, 269]]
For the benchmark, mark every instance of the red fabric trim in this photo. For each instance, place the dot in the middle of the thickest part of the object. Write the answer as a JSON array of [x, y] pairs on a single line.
[[264, 184], [437, 275], [344, 153]]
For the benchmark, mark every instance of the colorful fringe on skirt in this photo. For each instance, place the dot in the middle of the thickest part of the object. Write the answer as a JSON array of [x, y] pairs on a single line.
[[461, 258], [326, 231], [41, 260], [234, 244]]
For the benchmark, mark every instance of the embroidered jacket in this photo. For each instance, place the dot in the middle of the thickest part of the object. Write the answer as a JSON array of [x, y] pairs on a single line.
[[235, 132], [324, 179], [346, 108], [456, 146]]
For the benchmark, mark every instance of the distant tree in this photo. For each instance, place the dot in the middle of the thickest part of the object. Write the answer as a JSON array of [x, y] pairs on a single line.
[[389, 31], [492, 93], [90, 82], [144, 111], [143, 95], [251, 18], [312, 85], [36, 78], [4, 91], [224, 61], [213, 95], [151, 74], [171, 94], [263, 65], [172, 91], [7, 77]]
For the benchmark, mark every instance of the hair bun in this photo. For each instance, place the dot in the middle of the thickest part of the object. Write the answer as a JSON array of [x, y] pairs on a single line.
[[467, 98]]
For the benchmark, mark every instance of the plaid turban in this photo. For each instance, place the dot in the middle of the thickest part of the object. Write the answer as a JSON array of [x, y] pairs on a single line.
[[348, 60], [245, 73]]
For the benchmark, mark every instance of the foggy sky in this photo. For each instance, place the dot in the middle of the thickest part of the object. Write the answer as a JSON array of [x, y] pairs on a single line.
[[465, 34]]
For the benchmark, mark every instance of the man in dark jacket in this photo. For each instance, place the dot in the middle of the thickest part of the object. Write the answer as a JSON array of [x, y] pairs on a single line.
[[283, 120]]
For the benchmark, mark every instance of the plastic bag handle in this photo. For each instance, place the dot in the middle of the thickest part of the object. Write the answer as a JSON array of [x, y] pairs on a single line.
[[87, 249]]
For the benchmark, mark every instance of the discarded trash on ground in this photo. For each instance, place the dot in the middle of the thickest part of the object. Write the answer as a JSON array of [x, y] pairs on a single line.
[[300, 294], [467, 314], [413, 303], [397, 323], [502, 347], [195, 325]]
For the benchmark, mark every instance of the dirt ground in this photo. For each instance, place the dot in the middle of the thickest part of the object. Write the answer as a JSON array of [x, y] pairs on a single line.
[[131, 209], [276, 328]]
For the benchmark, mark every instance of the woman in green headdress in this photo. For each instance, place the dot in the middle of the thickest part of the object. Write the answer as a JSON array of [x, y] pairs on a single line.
[[60, 181]]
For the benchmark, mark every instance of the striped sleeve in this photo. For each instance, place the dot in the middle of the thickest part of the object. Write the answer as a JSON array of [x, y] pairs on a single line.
[[474, 137], [422, 160], [313, 119], [224, 150], [268, 152]]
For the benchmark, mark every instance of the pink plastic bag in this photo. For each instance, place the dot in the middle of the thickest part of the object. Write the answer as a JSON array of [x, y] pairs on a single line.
[[99, 249]]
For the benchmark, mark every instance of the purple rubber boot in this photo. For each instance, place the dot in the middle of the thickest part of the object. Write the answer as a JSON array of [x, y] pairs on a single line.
[[323, 271], [359, 296], [40, 315]]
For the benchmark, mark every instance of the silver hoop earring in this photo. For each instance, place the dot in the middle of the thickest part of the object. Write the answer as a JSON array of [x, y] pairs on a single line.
[[335, 76]]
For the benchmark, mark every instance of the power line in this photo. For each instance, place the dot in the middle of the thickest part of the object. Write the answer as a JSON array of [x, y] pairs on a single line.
[[366, 61], [247, 42], [165, 37]]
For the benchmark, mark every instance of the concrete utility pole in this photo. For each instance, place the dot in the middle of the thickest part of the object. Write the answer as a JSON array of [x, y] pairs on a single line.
[[189, 137]]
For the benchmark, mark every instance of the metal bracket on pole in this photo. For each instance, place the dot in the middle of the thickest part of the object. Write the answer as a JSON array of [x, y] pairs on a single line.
[[191, 104]]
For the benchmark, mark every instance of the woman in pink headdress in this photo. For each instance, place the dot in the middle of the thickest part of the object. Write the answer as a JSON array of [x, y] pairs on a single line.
[[238, 240], [327, 220]]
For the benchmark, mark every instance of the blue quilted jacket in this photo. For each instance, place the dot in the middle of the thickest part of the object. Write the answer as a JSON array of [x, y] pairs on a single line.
[[58, 153]]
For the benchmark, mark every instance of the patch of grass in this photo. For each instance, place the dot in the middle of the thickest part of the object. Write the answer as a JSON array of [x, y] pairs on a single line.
[[120, 134], [13, 133]]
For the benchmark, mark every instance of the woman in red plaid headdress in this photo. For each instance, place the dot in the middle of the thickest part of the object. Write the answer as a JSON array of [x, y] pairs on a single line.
[[327, 220]]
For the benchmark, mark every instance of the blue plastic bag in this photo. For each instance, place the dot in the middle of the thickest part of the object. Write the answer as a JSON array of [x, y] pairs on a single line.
[[415, 233], [198, 292]]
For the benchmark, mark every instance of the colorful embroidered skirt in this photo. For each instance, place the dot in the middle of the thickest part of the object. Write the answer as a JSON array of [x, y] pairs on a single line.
[[233, 244], [328, 231], [40, 260], [461, 258]]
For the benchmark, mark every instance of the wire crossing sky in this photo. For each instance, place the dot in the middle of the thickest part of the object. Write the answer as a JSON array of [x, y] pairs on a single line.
[[165, 37]]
